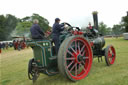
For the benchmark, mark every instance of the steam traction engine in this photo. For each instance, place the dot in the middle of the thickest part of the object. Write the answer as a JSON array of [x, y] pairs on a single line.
[[75, 56]]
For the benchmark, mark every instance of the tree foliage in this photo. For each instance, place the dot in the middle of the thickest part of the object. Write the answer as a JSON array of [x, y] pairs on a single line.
[[2, 27], [7, 25], [12, 26], [125, 22], [117, 29], [23, 28], [103, 29]]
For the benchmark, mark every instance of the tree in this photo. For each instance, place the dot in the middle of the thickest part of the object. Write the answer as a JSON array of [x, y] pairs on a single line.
[[102, 28], [125, 22], [10, 25], [2, 27], [117, 29], [23, 29], [108, 31], [7, 25]]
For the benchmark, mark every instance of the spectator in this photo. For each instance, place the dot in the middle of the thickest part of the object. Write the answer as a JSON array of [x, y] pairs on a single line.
[[6, 45], [0, 47], [14, 44], [3, 45]]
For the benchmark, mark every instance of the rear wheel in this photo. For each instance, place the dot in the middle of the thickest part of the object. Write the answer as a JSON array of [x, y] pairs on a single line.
[[110, 55], [75, 58]]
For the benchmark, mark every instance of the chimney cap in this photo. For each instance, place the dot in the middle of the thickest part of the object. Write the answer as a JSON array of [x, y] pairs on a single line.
[[94, 12]]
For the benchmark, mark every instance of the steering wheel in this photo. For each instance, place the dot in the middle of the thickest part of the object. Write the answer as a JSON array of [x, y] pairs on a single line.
[[69, 28]]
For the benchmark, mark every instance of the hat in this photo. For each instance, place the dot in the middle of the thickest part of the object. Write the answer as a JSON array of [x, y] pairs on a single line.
[[57, 19]]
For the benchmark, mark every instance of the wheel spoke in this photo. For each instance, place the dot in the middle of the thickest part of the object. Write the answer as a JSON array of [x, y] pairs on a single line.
[[76, 70], [79, 47], [111, 60], [83, 67], [85, 57], [70, 64], [83, 53], [75, 45], [70, 58], [83, 62], [82, 49], [79, 67], [32, 74], [110, 55], [73, 49], [73, 67], [70, 53]]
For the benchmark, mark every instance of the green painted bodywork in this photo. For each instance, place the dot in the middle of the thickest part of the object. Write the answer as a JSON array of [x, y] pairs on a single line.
[[43, 55], [42, 52]]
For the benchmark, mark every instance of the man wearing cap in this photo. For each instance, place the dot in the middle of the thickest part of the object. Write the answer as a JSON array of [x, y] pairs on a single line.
[[56, 29], [36, 31]]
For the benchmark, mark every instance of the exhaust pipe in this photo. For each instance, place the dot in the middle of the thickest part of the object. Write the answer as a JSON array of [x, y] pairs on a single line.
[[95, 19]]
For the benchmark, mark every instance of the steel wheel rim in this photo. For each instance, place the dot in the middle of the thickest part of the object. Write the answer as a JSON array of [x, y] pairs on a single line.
[[111, 54], [80, 58]]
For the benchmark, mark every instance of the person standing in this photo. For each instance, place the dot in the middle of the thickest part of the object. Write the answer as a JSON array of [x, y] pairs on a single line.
[[3, 45], [92, 29], [6, 45], [14, 44], [56, 29], [89, 26], [0, 47], [36, 31]]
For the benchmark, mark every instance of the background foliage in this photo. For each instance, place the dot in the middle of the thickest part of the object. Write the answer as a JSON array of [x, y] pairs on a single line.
[[7, 25], [125, 22], [11, 26]]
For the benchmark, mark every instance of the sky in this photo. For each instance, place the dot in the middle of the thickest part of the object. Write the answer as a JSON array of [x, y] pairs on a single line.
[[75, 12]]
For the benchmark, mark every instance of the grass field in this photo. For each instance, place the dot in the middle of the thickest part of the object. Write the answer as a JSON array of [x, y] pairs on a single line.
[[13, 69]]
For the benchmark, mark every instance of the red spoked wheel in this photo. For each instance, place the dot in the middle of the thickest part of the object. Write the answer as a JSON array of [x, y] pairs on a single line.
[[75, 58], [110, 55]]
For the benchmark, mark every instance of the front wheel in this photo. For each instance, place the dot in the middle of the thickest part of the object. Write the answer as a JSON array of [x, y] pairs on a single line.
[[110, 55], [75, 58], [33, 73]]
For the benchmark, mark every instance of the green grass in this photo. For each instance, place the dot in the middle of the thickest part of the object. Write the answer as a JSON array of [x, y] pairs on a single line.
[[13, 68]]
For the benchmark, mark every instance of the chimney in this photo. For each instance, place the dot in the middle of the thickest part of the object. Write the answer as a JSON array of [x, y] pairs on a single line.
[[127, 13], [95, 19]]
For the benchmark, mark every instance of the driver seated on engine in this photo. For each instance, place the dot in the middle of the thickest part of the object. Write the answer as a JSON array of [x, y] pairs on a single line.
[[92, 29], [56, 31], [36, 31]]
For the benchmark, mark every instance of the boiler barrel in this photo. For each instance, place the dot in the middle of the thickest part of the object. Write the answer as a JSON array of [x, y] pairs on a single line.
[[99, 42]]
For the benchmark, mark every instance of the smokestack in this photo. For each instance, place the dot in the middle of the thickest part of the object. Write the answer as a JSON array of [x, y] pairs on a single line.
[[127, 13], [95, 19]]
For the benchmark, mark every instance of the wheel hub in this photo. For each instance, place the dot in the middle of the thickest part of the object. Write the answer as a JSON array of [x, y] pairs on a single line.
[[78, 58]]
